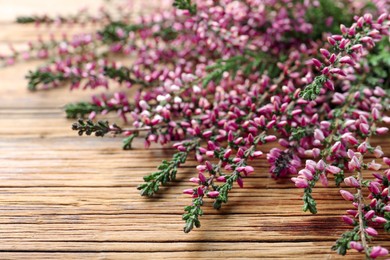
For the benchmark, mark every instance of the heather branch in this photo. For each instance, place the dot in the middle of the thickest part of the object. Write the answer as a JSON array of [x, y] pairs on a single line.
[[167, 170], [350, 44]]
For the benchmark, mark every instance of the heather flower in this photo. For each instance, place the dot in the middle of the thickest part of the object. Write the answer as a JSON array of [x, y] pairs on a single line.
[[347, 195], [372, 232], [356, 245], [352, 182], [378, 251]]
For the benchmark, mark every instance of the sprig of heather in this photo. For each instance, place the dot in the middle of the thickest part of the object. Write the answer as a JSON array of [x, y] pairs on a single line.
[[346, 50], [365, 217], [100, 105], [209, 187]]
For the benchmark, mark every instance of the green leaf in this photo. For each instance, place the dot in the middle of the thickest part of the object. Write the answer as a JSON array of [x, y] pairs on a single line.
[[127, 142], [185, 5]]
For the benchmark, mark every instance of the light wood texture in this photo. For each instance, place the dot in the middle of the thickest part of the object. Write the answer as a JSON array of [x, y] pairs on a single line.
[[69, 197]]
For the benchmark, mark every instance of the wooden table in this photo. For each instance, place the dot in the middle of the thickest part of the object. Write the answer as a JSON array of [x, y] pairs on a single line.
[[63, 196]]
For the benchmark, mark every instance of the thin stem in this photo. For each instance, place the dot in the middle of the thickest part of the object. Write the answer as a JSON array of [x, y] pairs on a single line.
[[361, 217]]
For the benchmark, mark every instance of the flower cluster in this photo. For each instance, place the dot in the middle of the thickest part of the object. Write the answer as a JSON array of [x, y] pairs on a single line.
[[219, 79]]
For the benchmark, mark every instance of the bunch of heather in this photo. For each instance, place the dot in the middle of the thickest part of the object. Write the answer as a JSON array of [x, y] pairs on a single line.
[[219, 79]]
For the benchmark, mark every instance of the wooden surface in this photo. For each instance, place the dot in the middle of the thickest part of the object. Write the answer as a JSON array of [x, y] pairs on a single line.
[[69, 197]]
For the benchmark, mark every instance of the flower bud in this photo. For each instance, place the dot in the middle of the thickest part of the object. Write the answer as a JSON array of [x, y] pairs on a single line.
[[347, 60], [333, 169], [332, 58], [378, 251], [378, 152], [347, 195], [352, 182], [240, 182], [213, 194], [329, 84], [381, 130], [348, 220], [201, 177], [380, 220], [331, 41], [316, 63], [320, 165], [194, 180], [300, 182], [362, 148], [371, 231], [188, 191], [249, 169], [356, 245], [325, 53], [369, 214], [270, 138]]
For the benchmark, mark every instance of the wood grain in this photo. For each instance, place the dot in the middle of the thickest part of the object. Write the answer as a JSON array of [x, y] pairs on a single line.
[[69, 197]]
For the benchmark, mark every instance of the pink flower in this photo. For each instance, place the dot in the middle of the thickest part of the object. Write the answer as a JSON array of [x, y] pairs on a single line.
[[378, 251], [325, 53], [324, 180], [201, 177], [335, 147], [221, 179], [300, 182], [356, 245], [306, 173], [374, 166], [362, 148], [378, 152], [354, 164], [380, 220], [347, 59], [270, 138], [194, 180], [188, 191], [319, 135], [348, 220], [333, 169], [331, 41], [369, 214], [200, 191], [364, 128], [374, 187], [320, 165], [382, 18], [371, 232], [347, 195], [352, 182], [316, 63], [386, 160], [240, 182], [213, 194], [248, 170], [381, 130], [329, 85], [257, 154]]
